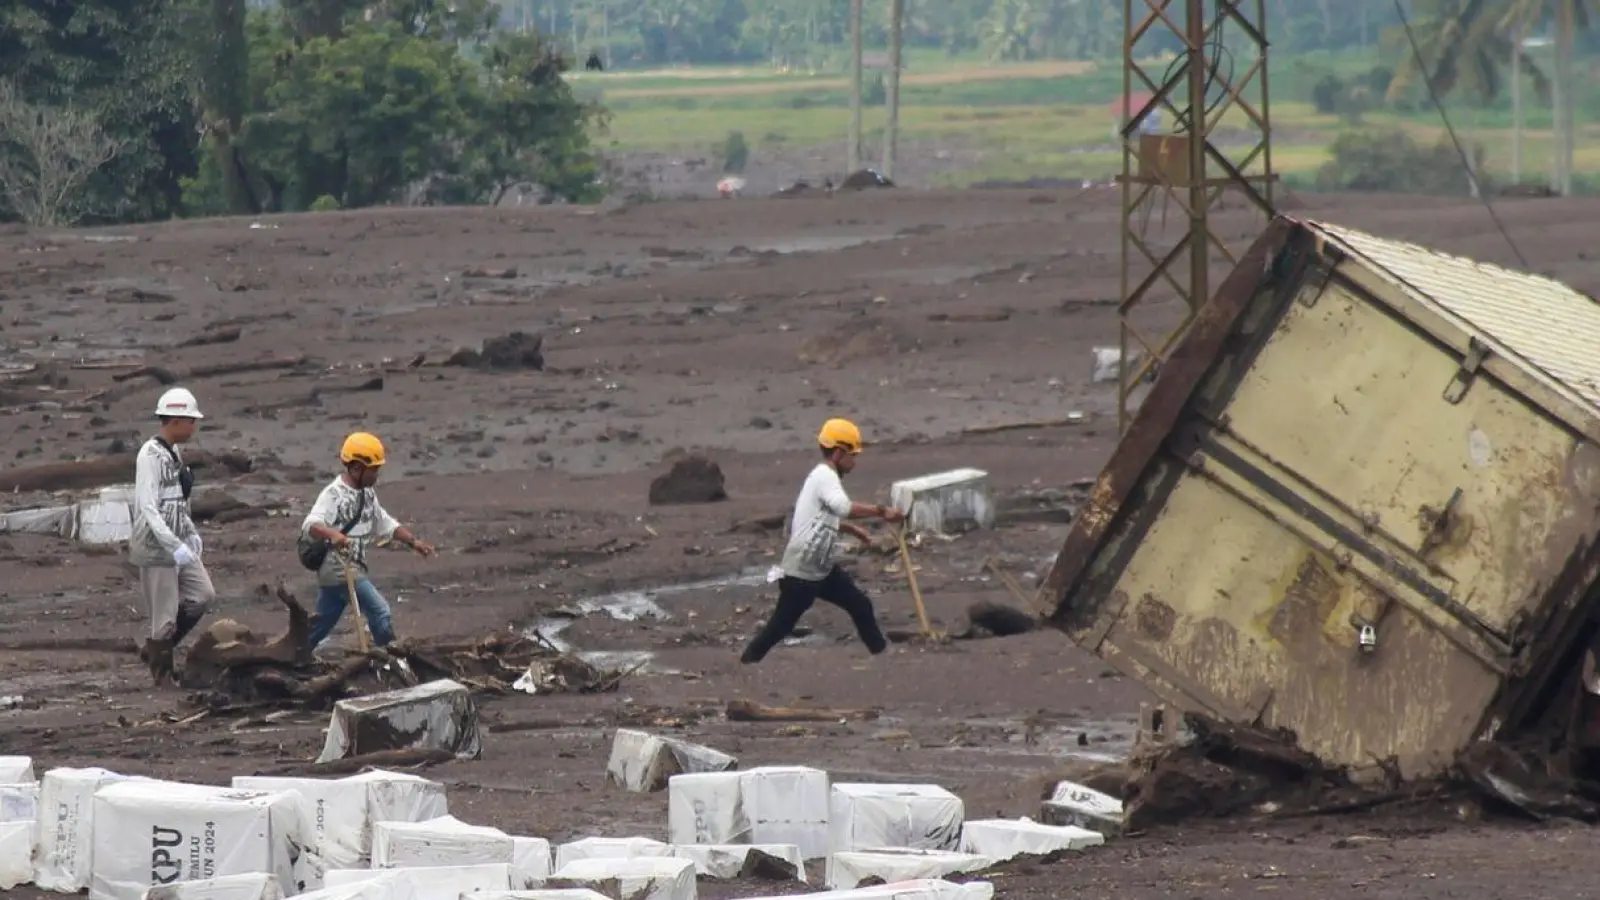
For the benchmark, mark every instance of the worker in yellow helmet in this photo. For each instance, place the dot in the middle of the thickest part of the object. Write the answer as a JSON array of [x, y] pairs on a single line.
[[344, 522], [808, 570]]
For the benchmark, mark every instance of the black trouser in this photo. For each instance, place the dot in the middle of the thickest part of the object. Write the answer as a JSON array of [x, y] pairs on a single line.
[[796, 595]]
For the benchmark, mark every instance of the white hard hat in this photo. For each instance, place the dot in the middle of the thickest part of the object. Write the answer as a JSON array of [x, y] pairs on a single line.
[[178, 403]]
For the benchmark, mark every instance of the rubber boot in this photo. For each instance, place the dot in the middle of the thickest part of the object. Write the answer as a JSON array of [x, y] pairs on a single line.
[[187, 620], [160, 660]]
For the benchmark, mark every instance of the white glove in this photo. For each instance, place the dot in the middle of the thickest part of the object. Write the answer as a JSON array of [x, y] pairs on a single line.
[[183, 556], [195, 544]]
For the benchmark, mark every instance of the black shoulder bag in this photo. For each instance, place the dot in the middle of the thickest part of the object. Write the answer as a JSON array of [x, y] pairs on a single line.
[[185, 473], [313, 551]]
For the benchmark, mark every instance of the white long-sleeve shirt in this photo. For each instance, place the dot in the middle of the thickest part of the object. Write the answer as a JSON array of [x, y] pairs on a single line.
[[161, 521], [335, 507], [814, 530]]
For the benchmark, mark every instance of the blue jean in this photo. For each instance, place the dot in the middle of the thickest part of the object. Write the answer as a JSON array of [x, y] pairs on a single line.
[[332, 601]]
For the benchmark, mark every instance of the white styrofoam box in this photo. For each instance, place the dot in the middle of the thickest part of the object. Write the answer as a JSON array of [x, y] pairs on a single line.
[[63, 837], [16, 769], [917, 889], [727, 860], [439, 715], [19, 802], [542, 894], [1075, 804], [765, 805], [162, 832], [609, 848], [16, 854], [639, 878], [643, 762], [254, 886], [946, 502], [445, 841], [337, 815], [366, 890], [107, 519], [530, 858], [848, 868], [399, 797], [893, 816], [1004, 839], [332, 820], [431, 882]]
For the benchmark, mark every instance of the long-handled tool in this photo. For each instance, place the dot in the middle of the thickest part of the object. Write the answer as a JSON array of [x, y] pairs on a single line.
[[911, 579], [362, 639]]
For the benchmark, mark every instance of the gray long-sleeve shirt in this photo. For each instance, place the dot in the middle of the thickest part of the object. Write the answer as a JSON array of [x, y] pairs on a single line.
[[161, 521]]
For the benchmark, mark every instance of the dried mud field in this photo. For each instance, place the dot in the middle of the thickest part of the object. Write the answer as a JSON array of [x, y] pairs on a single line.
[[955, 326]]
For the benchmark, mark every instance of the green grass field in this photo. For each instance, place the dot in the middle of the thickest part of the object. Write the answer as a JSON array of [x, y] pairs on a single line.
[[1048, 119]]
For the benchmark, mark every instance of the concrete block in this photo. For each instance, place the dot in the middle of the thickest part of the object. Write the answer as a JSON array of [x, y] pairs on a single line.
[[643, 763], [849, 868], [1075, 804], [439, 715], [1004, 839], [947, 502], [894, 816], [727, 861], [640, 878]]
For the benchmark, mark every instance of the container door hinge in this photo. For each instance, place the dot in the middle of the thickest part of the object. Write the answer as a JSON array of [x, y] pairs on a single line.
[[1320, 274], [1477, 352]]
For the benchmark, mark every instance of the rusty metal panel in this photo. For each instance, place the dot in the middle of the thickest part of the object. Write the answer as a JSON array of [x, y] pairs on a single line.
[[1321, 465]]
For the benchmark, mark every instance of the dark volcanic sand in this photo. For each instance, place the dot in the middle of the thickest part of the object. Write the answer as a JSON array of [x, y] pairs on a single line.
[[734, 327]]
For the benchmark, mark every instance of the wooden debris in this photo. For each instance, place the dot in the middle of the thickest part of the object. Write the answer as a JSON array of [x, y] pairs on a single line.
[[219, 336], [104, 471], [381, 759], [238, 367], [750, 711]]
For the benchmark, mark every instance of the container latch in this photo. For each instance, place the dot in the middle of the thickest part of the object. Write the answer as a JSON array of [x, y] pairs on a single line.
[[1477, 352]]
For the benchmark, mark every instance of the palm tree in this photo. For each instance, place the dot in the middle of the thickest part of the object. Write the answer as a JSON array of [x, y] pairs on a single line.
[[1470, 41]]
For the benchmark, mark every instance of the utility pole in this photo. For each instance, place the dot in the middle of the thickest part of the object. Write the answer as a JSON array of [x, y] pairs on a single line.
[[891, 129], [1516, 103], [853, 154]]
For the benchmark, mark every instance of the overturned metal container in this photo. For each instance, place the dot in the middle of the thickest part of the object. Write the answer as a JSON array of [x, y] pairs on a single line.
[[1360, 503]]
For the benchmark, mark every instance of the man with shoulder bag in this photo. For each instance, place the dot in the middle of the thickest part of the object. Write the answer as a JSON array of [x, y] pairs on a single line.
[[343, 524], [165, 545]]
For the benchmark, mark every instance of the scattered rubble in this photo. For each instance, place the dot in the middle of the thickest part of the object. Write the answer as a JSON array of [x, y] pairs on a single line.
[[694, 478], [517, 351]]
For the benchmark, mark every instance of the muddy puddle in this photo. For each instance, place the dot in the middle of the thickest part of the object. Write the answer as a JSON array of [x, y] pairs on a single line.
[[819, 244], [629, 606]]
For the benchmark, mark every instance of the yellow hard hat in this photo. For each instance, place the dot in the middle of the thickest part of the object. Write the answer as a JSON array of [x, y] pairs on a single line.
[[840, 433], [363, 448]]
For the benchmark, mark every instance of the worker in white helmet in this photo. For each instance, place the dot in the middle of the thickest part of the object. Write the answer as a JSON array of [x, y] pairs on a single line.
[[166, 546]]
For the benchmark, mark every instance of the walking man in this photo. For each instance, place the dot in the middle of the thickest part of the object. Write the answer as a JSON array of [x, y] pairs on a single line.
[[165, 545], [809, 571], [349, 518]]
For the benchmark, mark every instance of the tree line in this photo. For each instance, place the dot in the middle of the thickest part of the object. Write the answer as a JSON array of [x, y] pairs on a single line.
[[129, 110]]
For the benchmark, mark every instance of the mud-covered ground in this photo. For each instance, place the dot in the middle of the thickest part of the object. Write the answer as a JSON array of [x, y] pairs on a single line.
[[732, 327]]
